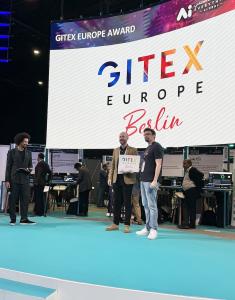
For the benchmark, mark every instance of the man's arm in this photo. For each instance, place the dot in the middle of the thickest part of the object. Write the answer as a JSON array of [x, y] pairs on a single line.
[[111, 171], [80, 176], [30, 163], [8, 169], [157, 172], [49, 172]]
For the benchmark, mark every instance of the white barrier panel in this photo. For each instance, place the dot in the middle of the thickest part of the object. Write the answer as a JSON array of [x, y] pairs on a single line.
[[3, 159], [71, 290]]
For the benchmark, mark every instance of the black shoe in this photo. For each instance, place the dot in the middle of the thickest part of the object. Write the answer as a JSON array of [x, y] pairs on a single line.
[[27, 222], [183, 226], [12, 223]]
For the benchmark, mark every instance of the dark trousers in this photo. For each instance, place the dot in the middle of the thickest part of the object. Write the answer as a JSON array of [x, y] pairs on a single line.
[[19, 192], [189, 206], [39, 199], [101, 195], [122, 195], [110, 199], [83, 202]]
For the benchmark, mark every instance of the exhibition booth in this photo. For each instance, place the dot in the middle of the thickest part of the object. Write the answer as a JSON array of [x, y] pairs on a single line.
[[168, 67]]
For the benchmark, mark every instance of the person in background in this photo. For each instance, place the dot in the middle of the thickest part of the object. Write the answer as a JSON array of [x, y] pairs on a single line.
[[85, 186], [149, 178], [122, 184], [103, 185], [18, 167], [110, 202], [192, 184], [42, 176]]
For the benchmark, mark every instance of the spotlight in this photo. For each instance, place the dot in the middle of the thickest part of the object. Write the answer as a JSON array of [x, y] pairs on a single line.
[[36, 52], [40, 82]]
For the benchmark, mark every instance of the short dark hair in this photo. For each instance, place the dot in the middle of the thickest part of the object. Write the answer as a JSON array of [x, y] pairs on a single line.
[[20, 137], [77, 166], [41, 156], [151, 130], [188, 161]]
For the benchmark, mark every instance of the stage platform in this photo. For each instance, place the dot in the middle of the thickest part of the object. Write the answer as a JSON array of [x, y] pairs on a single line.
[[76, 256]]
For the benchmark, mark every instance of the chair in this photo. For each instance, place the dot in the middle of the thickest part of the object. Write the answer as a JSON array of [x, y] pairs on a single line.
[[58, 189]]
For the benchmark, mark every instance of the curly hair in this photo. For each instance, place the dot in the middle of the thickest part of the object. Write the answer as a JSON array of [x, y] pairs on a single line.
[[20, 137]]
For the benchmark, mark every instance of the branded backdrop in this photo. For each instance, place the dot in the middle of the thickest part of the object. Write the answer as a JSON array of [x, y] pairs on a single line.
[[168, 67]]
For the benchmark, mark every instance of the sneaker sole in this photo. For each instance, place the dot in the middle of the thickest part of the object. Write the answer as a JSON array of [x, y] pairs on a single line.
[[142, 234], [12, 224], [151, 239], [25, 224]]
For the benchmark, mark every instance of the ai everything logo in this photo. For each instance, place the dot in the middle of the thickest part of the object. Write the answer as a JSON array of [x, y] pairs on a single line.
[[185, 13], [202, 6]]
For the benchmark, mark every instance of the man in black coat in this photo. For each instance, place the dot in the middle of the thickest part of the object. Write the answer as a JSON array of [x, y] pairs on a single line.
[[85, 186], [18, 168], [192, 184], [103, 185], [42, 176]]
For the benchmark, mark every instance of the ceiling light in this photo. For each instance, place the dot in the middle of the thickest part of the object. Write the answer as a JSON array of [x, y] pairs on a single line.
[[36, 52]]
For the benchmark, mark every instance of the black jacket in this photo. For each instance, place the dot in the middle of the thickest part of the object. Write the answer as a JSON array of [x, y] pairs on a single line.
[[14, 162], [103, 177], [84, 180], [42, 173], [196, 176]]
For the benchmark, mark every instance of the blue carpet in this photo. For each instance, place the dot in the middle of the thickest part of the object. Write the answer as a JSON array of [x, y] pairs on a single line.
[[176, 263]]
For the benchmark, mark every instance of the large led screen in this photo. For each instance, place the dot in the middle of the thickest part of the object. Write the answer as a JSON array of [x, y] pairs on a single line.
[[169, 67]]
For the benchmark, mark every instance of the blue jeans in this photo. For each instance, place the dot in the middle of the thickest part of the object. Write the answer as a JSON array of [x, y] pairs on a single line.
[[149, 201]]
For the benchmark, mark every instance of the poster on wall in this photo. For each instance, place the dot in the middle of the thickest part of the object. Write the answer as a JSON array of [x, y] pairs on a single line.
[[173, 165], [162, 67], [62, 161], [207, 163], [207, 159]]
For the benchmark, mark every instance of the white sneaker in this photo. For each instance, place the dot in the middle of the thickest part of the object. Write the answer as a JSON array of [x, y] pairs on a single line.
[[108, 215], [143, 231], [153, 234]]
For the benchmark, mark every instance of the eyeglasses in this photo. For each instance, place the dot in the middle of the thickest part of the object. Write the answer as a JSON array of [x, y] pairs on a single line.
[[147, 133]]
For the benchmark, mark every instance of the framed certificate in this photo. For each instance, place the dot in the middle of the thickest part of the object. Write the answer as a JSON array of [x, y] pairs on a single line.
[[129, 164]]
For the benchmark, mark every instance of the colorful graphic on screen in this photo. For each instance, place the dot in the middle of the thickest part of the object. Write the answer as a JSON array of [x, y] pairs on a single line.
[[168, 67]]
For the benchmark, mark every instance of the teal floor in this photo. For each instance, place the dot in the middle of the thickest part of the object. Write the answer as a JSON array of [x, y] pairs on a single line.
[[177, 262]]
